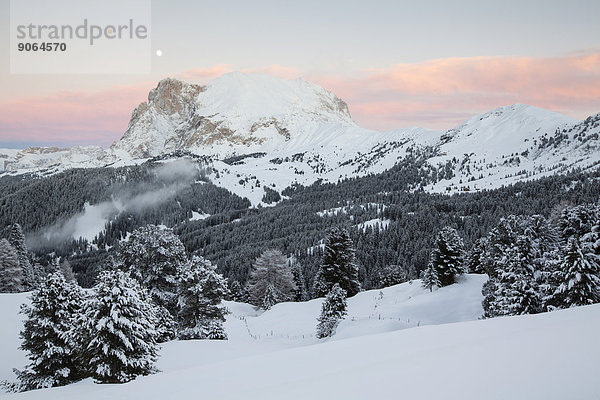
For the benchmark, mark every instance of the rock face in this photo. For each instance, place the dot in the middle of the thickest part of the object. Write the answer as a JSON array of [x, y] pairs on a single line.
[[237, 110]]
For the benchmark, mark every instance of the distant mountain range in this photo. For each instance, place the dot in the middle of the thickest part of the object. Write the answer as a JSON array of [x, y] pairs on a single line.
[[259, 131]]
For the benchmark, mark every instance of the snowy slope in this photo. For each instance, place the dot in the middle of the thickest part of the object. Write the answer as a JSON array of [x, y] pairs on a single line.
[[546, 356], [289, 324], [10, 327], [514, 143]]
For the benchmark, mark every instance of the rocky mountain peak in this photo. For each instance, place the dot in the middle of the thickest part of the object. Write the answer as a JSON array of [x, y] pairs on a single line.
[[173, 96], [236, 110]]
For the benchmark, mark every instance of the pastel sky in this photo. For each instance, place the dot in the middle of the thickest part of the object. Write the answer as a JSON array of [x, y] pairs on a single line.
[[396, 63]]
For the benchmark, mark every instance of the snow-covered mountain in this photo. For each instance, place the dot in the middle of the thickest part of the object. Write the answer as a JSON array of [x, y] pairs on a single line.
[[264, 131], [235, 110]]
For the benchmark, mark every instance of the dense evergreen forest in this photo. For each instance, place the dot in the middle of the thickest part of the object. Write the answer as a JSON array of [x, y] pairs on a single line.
[[390, 222]]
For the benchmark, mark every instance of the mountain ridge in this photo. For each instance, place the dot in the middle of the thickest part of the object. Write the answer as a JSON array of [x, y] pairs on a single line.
[[304, 133]]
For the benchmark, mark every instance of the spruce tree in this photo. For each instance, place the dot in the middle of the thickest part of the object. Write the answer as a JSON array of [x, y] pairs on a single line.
[[447, 256], [47, 335], [166, 326], [338, 265], [121, 327], [11, 275], [580, 277], [236, 292], [475, 261], [152, 255], [31, 276], [332, 311], [516, 291], [430, 278], [577, 221], [269, 298], [300, 293], [271, 274], [391, 275], [200, 293]]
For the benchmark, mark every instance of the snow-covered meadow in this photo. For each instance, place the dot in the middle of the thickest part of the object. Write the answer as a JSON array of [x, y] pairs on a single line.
[[402, 341]]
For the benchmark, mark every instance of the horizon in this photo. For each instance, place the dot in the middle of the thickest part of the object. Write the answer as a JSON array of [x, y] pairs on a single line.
[[395, 64]]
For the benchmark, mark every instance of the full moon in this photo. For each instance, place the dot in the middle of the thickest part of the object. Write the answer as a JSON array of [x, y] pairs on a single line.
[[159, 53]]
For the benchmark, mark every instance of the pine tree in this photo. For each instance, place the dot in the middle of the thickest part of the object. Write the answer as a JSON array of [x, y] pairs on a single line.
[[430, 278], [47, 335], [31, 276], [269, 298], [332, 311], [121, 327], [447, 256], [152, 255], [236, 292], [338, 265], [11, 275], [475, 261], [200, 293], [516, 291], [300, 293], [166, 326], [391, 275], [272, 272], [577, 221], [580, 277]]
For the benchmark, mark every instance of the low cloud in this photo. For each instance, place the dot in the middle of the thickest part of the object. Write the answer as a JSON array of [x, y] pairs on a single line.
[[169, 179]]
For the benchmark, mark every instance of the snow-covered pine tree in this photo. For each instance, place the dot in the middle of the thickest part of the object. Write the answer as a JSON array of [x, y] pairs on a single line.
[[580, 277], [447, 256], [519, 259], [270, 297], [577, 221], [31, 276], [516, 290], [121, 329], [271, 269], [391, 275], [489, 298], [166, 326], [200, 293], [338, 265], [236, 292], [300, 292], [11, 275], [332, 311], [152, 255], [430, 278], [47, 335], [475, 260]]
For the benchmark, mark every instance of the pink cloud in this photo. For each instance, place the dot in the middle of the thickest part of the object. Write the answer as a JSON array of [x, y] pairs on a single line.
[[441, 93], [203, 75], [434, 94], [70, 117]]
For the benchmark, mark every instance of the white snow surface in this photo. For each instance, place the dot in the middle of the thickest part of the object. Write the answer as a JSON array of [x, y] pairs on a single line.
[[401, 341]]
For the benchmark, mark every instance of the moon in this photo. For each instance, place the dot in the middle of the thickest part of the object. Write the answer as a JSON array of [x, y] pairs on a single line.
[[159, 53]]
